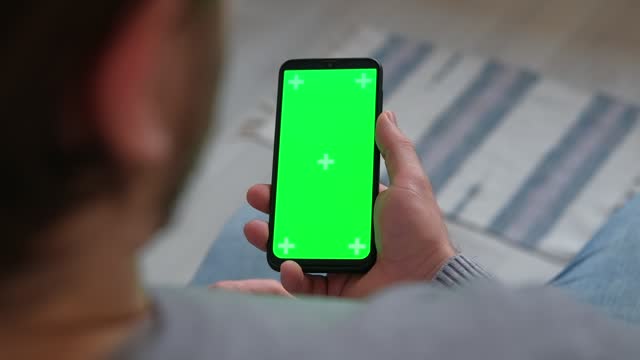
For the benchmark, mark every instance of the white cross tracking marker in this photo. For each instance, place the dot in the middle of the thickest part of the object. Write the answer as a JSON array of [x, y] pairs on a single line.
[[364, 81], [286, 246], [296, 82], [326, 162], [357, 246]]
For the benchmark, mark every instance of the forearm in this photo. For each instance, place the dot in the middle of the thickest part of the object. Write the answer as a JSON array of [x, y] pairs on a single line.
[[460, 271]]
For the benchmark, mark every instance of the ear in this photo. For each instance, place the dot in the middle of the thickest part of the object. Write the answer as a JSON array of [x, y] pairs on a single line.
[[128, 118]]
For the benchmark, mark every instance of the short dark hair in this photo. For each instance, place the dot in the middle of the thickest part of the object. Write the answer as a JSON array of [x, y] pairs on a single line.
[[50, 48]]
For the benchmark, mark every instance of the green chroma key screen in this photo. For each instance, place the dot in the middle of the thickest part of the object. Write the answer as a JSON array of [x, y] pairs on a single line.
[[324, 195]]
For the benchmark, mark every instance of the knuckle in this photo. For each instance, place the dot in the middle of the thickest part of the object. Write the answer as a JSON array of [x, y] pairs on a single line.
[[421, 187], [417, 181], [405, 144]]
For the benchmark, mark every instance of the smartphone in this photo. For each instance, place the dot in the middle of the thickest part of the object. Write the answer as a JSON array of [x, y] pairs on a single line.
[[326, 165]]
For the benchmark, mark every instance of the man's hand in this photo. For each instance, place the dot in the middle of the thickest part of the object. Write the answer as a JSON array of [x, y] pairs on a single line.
[[411, 236]]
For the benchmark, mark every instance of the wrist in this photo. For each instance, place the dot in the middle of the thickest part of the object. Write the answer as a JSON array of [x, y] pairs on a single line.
[[440, 258], [459, 271], [413, 268]]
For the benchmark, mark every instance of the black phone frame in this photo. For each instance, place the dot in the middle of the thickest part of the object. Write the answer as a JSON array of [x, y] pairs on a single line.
[[325, 265]]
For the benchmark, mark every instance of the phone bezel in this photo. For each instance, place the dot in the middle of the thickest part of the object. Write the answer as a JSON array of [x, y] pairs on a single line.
[[325, 265]]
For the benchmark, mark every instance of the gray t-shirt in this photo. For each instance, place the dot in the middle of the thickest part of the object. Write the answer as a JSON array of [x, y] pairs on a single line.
[[412, 322]]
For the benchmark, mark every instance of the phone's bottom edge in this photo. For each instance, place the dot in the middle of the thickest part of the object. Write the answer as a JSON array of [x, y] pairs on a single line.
[[325, 267]]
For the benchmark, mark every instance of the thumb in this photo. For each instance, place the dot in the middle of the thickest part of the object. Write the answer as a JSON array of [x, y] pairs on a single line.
[[295, 281], [403, 164]]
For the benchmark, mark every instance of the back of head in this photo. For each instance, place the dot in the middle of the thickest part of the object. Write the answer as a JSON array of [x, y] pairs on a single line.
[[104, 105], [49, 48]]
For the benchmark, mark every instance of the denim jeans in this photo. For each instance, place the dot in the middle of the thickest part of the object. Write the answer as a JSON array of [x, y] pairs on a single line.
[[606, 273]]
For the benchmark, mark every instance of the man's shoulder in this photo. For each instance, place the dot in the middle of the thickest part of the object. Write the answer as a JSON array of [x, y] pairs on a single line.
[[412, 322]]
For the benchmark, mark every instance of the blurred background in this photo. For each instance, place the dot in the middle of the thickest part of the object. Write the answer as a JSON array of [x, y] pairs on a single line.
[[532, 103]]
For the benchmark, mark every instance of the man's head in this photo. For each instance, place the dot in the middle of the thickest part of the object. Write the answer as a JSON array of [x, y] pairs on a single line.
[[102, 101]]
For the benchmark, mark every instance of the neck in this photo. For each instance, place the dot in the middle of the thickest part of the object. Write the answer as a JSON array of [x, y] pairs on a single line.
[[83, 298]]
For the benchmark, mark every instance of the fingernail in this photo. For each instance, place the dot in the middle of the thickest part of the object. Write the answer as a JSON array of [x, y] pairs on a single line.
[[387, 114], [392, 116]]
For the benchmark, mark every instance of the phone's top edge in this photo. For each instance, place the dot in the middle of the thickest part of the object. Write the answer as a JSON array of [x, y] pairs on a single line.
[[330, 63], [330, 59]]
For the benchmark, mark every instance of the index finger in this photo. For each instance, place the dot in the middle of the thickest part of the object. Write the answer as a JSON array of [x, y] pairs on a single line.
[[403, 164], [259, 197]]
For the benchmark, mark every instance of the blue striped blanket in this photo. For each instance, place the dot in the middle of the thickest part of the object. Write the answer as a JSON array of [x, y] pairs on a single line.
[[510, 153]]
